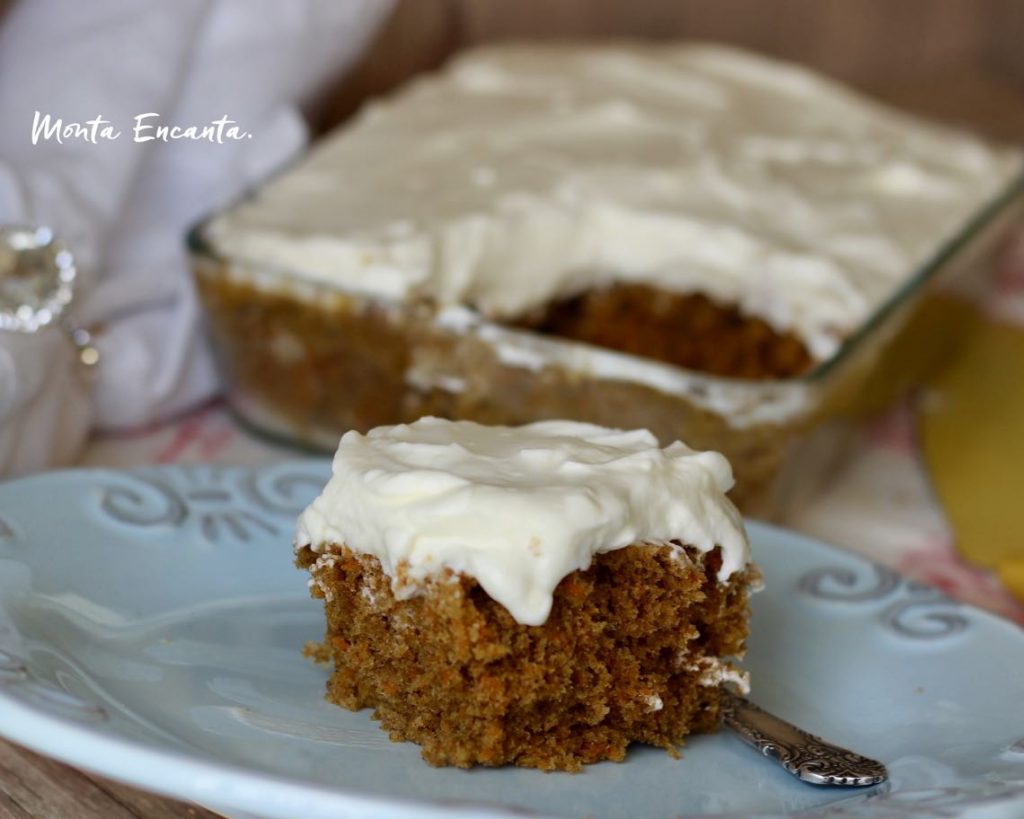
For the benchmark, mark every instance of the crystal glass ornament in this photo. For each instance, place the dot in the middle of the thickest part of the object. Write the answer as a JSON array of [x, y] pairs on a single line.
[[37, 276]]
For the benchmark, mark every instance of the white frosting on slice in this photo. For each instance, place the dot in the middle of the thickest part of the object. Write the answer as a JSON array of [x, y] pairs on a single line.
[[522, 174], [518, 508], [714, 671]]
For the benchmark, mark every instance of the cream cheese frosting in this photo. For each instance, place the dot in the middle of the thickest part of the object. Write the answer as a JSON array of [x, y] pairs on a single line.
[[523, 174], [517, 508]]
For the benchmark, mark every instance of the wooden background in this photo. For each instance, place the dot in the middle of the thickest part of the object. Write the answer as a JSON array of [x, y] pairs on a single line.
[[959, 60]]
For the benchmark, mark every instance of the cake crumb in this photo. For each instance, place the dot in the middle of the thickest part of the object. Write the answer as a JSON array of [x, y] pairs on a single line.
[[444, 665]]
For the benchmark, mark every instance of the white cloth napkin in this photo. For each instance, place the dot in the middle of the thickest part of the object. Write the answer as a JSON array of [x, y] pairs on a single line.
[[124, 206]]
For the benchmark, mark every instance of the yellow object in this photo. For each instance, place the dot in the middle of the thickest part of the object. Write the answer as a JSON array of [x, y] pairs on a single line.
[[1011, 572], [972, 432]]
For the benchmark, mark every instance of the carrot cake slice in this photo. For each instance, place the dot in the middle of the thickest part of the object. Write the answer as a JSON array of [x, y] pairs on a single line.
[[540, 595]]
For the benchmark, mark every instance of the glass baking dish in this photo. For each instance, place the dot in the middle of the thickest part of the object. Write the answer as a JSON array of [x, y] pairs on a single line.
[[305, 361]]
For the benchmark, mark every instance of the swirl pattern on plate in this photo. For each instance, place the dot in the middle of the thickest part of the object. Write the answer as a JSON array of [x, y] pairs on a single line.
[[16, 676], [918, 611], [224, 504], [914, 803]]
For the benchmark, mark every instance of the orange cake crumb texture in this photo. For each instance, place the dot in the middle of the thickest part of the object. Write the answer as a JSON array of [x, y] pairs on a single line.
[[686, 329], [617, 661]]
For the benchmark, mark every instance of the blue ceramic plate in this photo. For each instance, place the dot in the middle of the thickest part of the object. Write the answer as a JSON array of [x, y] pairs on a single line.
[[151, 622]]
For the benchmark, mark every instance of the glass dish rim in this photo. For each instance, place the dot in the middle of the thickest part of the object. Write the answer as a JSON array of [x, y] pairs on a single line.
[[198, 245]]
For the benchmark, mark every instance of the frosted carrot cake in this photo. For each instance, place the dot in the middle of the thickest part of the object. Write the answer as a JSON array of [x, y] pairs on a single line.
[[662, 236], [541, 595], [525, 179]]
